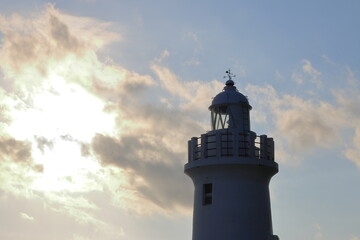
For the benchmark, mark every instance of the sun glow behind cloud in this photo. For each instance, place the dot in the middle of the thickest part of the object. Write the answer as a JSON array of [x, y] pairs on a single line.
[[67, 117], [52, 111], [61, 109], [64, 169], [84, 123]]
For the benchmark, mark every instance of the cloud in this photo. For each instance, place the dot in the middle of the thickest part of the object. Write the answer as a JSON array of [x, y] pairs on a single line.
[[171, 83], [312, 72], [303, 124], [297, 77], [298, 125], [42, 142], [194, 96], [33, 47], [351, 77], [164, 54], [82, 110], [26, 217], [192, 39], [17, 213], [154, 152], [14, 150], [61, 35], [54, 92], [192, 36], [327, 59], [300, 121], [278, 76], [162, 183], [192, 62], [348, 99], [319, 232], [307, 70]]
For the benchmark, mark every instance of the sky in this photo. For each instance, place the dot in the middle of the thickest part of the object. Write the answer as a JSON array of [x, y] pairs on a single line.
[[99, 98]]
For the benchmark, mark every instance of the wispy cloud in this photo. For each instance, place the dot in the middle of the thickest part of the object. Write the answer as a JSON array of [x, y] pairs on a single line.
[[315, 74], [351, 77], [319, 232], [26, 217], [164, 54], [303, 125], [194, 95], [307, 74]]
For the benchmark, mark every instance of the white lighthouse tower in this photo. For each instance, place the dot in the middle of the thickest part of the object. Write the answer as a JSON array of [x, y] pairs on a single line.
[[231, 168]]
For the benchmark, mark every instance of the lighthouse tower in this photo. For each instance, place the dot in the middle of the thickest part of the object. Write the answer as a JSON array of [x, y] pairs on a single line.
[[231, 168]]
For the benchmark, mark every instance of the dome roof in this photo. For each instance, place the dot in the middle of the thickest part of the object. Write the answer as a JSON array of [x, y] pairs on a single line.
[[230, 95]]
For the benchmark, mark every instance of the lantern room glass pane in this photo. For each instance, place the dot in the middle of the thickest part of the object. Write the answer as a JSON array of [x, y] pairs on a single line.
[[219, 117]]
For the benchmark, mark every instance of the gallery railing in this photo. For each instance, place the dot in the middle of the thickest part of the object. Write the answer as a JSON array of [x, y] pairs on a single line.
[[231, 143]]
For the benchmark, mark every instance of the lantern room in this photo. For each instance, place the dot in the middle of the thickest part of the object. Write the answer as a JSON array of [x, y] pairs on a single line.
[[230, 109]]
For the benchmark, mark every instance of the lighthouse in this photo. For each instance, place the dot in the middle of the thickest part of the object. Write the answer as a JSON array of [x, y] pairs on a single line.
[[231, 168]]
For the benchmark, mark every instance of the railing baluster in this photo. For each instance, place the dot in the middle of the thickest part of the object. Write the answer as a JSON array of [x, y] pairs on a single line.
[[203, 146], [193, 148], [271, 150], [236, 144], [218, 144], [263, 147]]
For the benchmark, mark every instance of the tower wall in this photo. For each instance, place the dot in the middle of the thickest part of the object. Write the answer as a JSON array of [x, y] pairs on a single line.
[[240, 206]]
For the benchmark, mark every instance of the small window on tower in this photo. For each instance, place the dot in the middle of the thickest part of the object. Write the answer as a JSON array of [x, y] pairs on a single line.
[[207, 194]]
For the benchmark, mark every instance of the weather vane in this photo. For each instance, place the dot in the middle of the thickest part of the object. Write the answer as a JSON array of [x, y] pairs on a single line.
[[229, 75]]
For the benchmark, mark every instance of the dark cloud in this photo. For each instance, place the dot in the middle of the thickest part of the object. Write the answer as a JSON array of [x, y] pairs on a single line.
[[85, 149], [61, 35], [38, 168], [43, 142], [4, 110], [34, 46], [14, 150], [171, 125], [154, 148], [166, 183]]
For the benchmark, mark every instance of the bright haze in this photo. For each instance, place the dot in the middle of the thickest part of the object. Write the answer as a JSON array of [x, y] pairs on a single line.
[[99, 97]]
